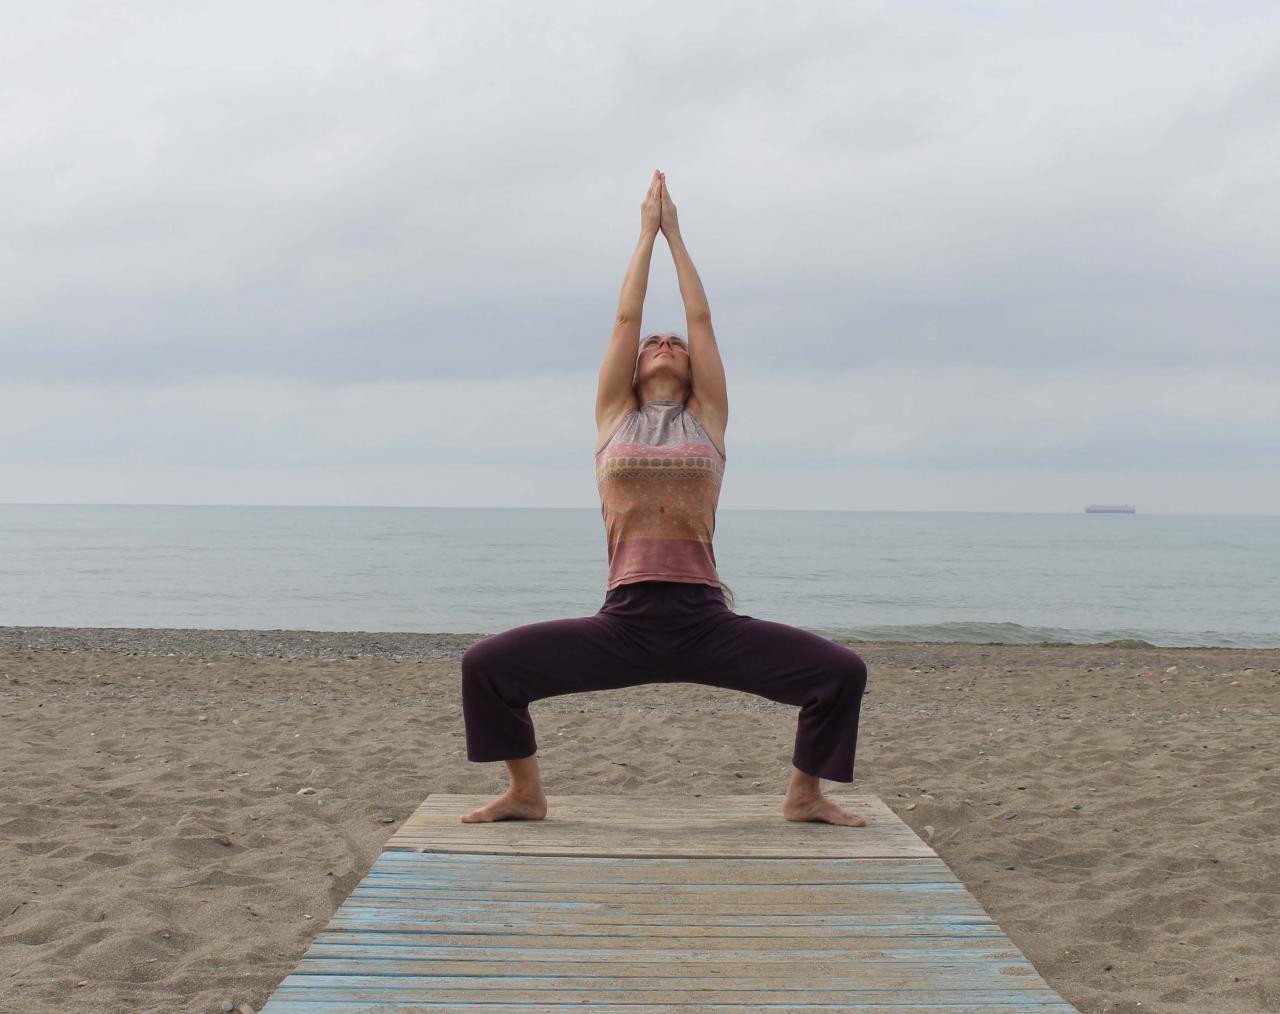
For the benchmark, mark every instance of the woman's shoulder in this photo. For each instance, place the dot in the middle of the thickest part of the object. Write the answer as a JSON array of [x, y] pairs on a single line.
[[710, 421], [608, 424]]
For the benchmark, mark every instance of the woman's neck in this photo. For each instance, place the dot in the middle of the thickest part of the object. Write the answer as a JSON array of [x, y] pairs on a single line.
[[661, 392]]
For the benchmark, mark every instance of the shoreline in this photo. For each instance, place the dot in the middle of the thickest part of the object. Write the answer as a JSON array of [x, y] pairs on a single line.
[[413, 645]]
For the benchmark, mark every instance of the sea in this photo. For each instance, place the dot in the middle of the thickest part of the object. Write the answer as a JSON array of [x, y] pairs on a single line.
[[1016, 578]]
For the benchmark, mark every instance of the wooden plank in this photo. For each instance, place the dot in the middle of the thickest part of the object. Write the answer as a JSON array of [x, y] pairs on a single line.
[[592, 912], [516, 946], [430, 973], [703, 909], [535, 948], [905, 927], [780, 935], [706, 827], [374, 1006], [608, 871], [352, 995], [533, 1007]]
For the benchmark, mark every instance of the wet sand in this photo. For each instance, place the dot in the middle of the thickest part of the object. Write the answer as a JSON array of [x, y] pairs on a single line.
[[1116, 809]]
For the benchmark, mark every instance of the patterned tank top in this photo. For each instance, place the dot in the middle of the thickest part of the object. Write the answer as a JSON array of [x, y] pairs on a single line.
[[659, 477]]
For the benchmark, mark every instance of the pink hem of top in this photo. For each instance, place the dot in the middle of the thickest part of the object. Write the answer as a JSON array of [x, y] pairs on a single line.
[[631, 579]]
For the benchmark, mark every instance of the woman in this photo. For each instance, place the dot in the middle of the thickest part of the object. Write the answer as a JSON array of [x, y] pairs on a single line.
[[661, 419]]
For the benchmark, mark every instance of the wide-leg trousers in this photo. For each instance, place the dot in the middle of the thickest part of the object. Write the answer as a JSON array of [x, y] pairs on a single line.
[[664, 632]]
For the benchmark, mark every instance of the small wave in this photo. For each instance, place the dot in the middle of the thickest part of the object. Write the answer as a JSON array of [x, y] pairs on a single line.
[[974, 632]]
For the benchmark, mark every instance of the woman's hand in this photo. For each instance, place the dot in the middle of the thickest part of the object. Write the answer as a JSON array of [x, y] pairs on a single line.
[[651, 207], [669, 224]]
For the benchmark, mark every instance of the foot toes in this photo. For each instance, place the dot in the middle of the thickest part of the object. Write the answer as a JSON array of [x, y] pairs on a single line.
[[826, 812], [505, 809]]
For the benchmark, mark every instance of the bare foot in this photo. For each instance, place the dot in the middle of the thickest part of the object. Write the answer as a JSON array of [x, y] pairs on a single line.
[[820, 809], [510, 806]]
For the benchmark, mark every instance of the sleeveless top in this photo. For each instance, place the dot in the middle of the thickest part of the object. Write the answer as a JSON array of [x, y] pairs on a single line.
[[659, 478]]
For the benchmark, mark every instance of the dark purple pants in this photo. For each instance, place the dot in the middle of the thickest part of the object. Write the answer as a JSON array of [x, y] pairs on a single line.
[[664, 632]]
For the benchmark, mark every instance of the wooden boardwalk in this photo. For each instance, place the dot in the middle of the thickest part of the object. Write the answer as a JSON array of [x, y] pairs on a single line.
[[638, 904]]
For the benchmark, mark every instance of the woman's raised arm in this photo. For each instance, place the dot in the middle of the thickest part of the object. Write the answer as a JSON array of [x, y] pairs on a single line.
[[709, 385], [619, 366]]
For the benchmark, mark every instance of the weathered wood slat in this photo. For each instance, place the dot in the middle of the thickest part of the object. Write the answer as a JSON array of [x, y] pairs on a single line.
[[350, 989], [706, 937], [458, 868], [507, 914], [614, 1007], [719, 826], [727, 899], [657, 914], [378, 1006], [602, 962], [777, 934], [726, 850], [537, 948], [717, 905], [794, 894], [834, 974]]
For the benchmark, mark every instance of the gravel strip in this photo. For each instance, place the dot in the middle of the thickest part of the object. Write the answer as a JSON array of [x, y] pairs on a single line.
[[240, 643], [449, 646]]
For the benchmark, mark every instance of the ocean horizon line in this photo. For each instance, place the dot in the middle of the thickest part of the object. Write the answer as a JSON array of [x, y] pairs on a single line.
[[720, 509]]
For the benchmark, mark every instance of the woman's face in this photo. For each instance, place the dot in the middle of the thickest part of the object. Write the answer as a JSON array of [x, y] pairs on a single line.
[[663, 352]]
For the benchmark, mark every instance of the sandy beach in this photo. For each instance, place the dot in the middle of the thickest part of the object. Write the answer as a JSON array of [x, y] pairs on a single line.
[[1115, 808]]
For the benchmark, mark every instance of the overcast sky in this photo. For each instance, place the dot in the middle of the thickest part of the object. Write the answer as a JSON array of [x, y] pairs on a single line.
[[959, 256]]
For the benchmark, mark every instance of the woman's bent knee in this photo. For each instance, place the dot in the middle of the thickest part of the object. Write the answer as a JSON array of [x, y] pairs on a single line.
[[473, 656], [490, 672], [492, 652], [855, 672], [478, 660]]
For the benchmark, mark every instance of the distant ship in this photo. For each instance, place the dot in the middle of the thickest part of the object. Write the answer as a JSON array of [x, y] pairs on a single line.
[[1111, 508]]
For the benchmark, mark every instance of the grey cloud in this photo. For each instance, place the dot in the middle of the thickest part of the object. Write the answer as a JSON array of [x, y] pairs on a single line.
[[448, 191]]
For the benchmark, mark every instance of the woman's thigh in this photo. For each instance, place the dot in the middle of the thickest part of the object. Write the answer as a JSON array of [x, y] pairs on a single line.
[[777, 661], [566, 656]]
